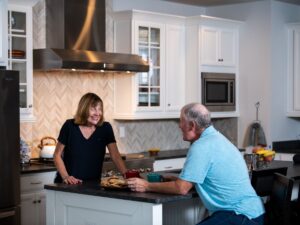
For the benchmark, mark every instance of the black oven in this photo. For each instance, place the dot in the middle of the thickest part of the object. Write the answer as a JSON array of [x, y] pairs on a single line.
[[218, 91]]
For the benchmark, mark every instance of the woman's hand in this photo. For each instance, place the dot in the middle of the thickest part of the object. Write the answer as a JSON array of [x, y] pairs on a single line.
[[137, 184], [71, 180]]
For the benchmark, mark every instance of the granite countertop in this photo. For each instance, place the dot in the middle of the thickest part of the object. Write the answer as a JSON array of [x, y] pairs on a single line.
[[36, 168], [93, 188], [293, 169], [168, 154], [171, 154]]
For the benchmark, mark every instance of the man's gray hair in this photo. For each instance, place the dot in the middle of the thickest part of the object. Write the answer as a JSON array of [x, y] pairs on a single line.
[[198, 113]]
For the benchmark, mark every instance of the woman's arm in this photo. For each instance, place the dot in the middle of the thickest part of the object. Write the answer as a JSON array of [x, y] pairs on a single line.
[[60, 165], [116, 157]]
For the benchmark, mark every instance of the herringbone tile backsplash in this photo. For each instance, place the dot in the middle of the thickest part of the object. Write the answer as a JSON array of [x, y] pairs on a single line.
[[55, 98]]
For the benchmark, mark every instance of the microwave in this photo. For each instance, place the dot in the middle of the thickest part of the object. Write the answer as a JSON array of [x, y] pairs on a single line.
[[218, 91]]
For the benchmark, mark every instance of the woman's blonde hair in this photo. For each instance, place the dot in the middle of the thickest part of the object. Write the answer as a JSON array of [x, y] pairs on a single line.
[[88, 100]]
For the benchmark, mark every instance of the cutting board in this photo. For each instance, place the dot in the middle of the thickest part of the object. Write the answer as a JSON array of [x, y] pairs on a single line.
[[134, 156]]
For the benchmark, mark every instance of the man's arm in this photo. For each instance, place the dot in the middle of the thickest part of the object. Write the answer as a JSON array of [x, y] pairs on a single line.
[[178, 186]]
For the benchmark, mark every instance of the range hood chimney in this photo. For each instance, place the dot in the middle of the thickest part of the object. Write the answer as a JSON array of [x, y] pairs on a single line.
[[75, 39]]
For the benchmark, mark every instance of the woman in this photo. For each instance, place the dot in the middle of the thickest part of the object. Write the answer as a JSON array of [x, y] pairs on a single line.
[[82, 143]]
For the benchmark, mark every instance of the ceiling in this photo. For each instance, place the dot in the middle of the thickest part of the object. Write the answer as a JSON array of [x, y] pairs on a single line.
[[206, 3]]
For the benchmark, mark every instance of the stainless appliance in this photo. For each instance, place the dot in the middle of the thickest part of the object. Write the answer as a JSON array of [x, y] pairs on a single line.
[[75, 39], [9, 148], [218, 91]]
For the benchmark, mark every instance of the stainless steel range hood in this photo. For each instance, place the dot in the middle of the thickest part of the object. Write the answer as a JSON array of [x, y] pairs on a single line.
[[75, 39]]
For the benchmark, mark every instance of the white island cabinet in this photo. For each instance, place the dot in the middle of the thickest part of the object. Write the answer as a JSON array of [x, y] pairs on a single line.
[[160, 40], [89, 204]]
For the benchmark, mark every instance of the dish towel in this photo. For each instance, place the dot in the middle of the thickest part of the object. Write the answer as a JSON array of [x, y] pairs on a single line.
[[257, 135]]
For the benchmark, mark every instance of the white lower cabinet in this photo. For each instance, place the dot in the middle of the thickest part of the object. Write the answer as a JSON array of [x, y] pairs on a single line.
[[33, 197], [168, 164]]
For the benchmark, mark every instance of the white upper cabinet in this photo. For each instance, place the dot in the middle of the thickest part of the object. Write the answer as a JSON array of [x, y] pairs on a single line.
[[212, 45], [160, 40], [20, 54], [293, 81], [175, 68], [218, 46], [3, 33]]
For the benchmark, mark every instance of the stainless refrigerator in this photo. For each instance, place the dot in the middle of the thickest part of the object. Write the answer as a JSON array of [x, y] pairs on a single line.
[[9, 148]]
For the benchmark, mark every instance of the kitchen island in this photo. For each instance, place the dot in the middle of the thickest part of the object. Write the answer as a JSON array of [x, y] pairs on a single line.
[[89, 204]]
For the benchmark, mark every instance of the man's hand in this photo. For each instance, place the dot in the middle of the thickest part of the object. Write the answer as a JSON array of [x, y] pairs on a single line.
[[138, 184]]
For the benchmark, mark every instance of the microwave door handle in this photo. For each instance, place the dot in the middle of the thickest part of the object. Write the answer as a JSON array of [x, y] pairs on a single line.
[[231, 92]]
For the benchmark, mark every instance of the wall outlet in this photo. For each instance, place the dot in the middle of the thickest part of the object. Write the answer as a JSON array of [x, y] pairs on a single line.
[[122, 132]]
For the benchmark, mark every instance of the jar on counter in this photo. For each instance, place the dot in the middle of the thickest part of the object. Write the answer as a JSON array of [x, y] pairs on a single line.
[[25, 153]]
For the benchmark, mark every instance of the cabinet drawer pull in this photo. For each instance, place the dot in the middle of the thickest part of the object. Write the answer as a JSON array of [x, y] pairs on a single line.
[[39, 201], [38, 182], [168, 167], [34, 202]]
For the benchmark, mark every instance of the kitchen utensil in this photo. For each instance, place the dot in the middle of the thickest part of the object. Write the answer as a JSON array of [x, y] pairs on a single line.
[[47, 147]]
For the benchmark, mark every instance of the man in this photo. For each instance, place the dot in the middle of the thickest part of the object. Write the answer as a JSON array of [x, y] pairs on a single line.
[[217, 170]]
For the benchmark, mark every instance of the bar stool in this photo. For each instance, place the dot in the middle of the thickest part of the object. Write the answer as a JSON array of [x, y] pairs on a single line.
[[278, 209], [262, 180]]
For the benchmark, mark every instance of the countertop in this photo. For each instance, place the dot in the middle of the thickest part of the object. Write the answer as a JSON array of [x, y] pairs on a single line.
[[36, 168], [293, 169], [171, 154], [94, 188]]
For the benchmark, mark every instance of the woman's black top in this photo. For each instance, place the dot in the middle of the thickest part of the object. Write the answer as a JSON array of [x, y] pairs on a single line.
[[83, 157]]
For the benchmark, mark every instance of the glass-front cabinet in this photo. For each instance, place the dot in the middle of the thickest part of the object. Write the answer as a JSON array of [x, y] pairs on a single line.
[[20, 54], [159, 40], [149, 83]]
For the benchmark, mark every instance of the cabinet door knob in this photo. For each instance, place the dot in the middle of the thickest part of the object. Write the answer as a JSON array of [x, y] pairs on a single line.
[[169, 104], [39, 201], [34, 202]]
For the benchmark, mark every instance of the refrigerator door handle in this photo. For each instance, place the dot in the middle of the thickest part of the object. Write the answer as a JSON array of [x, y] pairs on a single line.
[[7, 214]]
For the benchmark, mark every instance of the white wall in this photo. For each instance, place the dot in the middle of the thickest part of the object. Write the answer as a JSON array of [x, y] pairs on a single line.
[[282, 128], [263, 65], [158, 6]]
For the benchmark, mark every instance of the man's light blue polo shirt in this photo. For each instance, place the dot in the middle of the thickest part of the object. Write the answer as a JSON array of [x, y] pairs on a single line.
[[219, 173]]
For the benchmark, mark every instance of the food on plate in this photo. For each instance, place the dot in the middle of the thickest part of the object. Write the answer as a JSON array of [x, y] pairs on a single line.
[[114, 182]]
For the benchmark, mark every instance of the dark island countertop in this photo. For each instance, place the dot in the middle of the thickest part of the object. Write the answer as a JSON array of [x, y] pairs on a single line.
[[94, 188]]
